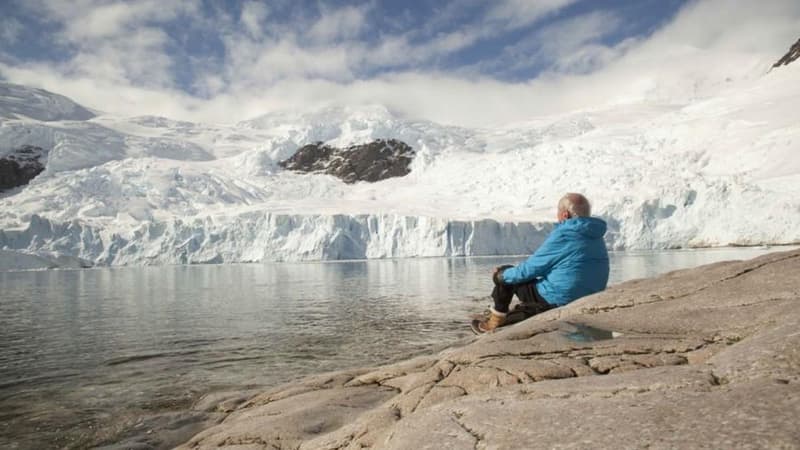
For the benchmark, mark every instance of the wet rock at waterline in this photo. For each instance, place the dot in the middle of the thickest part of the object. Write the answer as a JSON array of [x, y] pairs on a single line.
[[704, 357]]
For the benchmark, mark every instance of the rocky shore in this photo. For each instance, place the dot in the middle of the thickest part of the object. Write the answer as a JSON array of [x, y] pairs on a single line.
[[699, 358]]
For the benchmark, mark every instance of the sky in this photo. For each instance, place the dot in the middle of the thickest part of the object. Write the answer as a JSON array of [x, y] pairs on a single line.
[[464, 62]]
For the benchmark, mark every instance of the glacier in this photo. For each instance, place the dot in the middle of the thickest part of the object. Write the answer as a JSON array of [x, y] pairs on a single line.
[[263, 236], [713, 169]]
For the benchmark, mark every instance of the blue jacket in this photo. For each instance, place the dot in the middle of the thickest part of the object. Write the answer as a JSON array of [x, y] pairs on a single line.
[[571, 263]]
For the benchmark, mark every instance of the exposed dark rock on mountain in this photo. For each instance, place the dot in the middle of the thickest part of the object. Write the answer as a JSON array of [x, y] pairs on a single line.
[[20, 166], [792, 55], [371, 162]]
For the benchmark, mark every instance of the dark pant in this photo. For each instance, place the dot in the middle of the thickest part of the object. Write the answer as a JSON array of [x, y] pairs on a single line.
[[526, 292]]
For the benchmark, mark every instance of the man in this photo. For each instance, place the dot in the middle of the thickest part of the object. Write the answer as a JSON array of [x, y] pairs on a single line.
[[571, 263]]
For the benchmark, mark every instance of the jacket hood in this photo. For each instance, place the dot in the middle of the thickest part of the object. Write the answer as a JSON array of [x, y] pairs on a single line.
[[591, 227]]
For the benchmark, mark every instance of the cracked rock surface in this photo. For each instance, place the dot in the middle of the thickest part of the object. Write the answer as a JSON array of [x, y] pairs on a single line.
[[698, 358]]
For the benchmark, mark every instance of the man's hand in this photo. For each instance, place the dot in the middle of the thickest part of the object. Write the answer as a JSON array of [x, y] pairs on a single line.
[[497, 273]]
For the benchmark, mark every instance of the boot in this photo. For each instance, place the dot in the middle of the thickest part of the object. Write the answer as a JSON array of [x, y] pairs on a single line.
[[495, 320], [518, 313]]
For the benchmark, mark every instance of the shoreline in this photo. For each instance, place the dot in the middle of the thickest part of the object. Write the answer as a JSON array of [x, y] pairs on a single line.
[[724, 317]]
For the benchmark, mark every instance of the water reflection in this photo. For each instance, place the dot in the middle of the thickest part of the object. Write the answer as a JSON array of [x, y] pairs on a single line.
[[586, 333]]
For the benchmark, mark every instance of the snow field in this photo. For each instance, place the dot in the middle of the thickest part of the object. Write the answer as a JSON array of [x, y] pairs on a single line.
[[716, 169]]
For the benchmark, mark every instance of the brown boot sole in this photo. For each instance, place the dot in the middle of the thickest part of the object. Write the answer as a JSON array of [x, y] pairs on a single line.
[[475, 325], [512, 318]]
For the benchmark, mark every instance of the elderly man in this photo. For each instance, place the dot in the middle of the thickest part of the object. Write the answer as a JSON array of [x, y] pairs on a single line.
[[571, 263]]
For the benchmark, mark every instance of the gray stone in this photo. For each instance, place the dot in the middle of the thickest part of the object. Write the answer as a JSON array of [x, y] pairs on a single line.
[[699, 358]]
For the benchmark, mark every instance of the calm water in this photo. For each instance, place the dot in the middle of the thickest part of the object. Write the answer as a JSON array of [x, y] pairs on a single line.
[[85, 355]]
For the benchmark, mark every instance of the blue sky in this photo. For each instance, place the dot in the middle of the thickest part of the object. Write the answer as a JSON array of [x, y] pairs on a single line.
[[502, 40], [191, 58]]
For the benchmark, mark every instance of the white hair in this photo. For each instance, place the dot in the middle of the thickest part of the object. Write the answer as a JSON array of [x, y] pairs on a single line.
[[576, 204]]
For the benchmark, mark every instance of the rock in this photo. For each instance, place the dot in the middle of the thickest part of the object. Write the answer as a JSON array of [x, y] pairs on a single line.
[[20, 166], [792, 55], [290, 421], [163, 430], [371, 162], [698, 358], [223, 402]]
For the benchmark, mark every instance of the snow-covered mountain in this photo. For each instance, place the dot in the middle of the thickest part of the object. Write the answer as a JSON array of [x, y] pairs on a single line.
[[718, 169], [38, 104]]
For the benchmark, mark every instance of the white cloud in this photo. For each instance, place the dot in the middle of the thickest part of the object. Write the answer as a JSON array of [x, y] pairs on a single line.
[[114, 41], [96, 19], [253, 15], [285, 59], [260, 64], [344, 23], [10, 30], [501, 17], [209, 84], [401, 52], [735, 25], [137, 58], [569, 46], [444, 44], [520, 13], [561, 40], [130, 72], [589, 57], [102, 21]]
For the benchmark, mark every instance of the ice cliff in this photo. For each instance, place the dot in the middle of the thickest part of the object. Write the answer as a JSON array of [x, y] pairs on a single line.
[[263, 236]]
